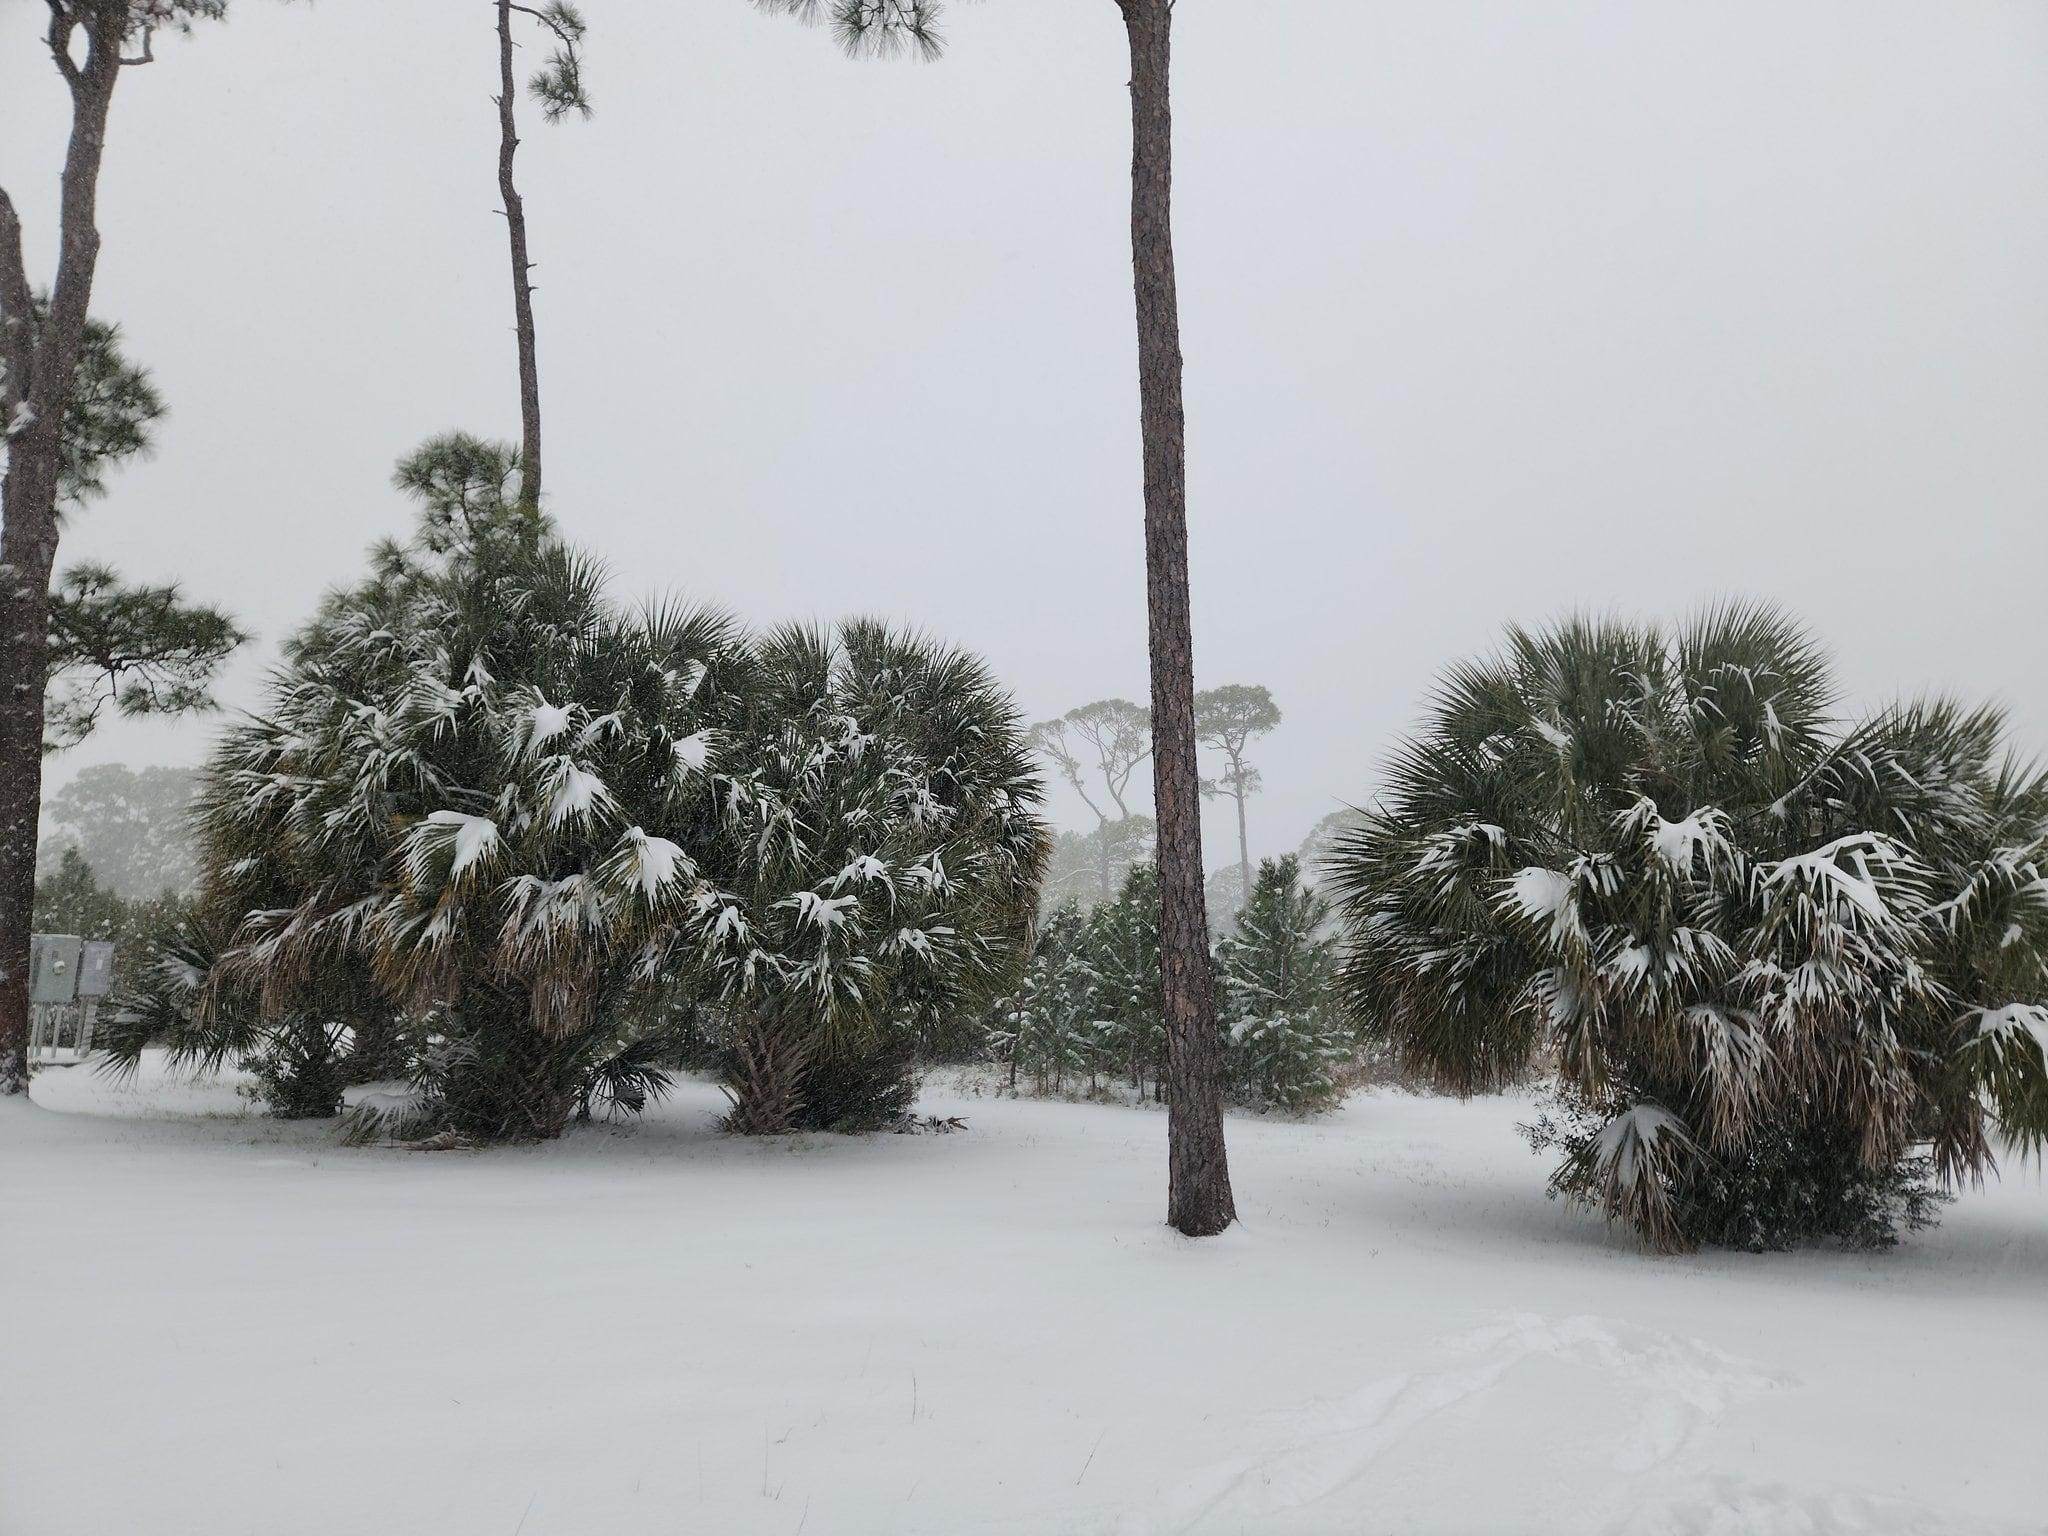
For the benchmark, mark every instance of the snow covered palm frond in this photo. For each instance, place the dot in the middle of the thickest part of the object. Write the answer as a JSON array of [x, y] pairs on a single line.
[[1846, 881], [1630, 1171], [653, 868], [825, 913], [572, 794], [449, 851], [2007, 1049], [1732, 1063]]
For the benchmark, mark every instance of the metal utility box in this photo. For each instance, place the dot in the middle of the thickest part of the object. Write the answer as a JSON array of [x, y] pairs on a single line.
[[67, 978], [53, 967], [96, 968]]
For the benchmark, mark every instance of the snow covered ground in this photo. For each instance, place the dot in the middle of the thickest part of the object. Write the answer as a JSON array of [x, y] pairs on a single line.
[[223, 1325]]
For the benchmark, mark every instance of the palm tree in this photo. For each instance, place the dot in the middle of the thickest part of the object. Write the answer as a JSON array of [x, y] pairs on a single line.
[[488, 809], [1199, 1200], [887, 853], [1764, 958]]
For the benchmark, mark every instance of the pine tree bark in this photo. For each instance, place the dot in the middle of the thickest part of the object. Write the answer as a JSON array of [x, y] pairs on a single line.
[[39, 364], [1199, 1201], [522, 288]]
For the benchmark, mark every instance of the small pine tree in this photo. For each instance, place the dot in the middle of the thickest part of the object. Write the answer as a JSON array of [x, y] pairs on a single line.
[[70, 899], [1052, 1031], [1283, 1043], [1129, 1005]]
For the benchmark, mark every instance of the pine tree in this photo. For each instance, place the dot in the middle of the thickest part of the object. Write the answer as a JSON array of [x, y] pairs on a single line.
[[69, 407], [1103, 741], [1199, 1200], [558, 87], [142, 649], [1228, 720], [1283, 1040], [1052, 1031], [70, 899]]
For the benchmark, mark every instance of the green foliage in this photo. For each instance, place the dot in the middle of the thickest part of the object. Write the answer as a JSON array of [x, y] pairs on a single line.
[[1799, 1178], [1739, 935], [1046, 1028], [877, 28], [174, 997], [1091, 1004], [71, 899], [109, 413], [142, 649], [487, 816], [1129, 998], [1283, 1040], [558, 85]]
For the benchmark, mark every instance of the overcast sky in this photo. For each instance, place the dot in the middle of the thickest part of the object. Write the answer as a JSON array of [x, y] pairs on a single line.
[[1491, 311]]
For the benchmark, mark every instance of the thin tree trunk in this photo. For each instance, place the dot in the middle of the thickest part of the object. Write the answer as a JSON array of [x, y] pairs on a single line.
[[1198, 1176], [40, 364], [1244, 850], [522, 289]]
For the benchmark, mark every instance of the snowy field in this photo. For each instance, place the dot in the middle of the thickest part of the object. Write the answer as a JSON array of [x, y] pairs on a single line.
[[223, 1325]]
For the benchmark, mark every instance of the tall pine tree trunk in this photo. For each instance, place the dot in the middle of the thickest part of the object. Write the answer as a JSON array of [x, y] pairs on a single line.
[[1198, 1176], [522, 288], [39, 364]]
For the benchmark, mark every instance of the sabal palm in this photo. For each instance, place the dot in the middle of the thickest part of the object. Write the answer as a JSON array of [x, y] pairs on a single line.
[[512, 802], [1655, 857]]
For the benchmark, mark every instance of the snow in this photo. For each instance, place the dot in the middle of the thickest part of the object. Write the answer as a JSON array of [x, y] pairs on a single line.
[[238, 1325], [693, 752], [1679, 842], [656, 861], [476, 837], [1540, 893], [826, 912], [1626, 1140], [2014, 1020], [1822, 870], [549, 721], [578, 794]]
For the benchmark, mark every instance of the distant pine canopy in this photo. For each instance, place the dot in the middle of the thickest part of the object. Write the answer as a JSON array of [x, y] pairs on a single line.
[[1783, 969], [488, 810]]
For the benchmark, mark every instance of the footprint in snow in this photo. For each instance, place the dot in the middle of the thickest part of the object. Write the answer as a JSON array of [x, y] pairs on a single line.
[[1674, 1386]]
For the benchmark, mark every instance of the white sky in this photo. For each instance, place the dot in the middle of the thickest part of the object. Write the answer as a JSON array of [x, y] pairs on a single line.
[[1491, 310]]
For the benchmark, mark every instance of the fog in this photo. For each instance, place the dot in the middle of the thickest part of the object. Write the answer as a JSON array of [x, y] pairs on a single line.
[[1491, 311]]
